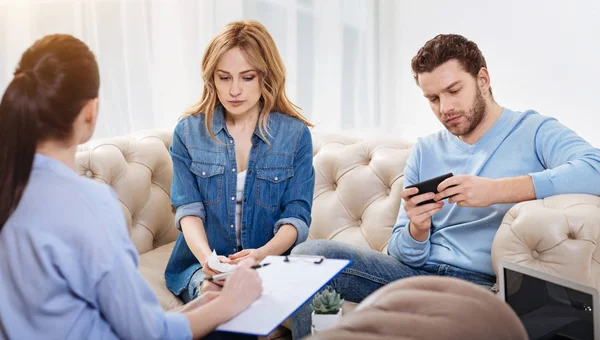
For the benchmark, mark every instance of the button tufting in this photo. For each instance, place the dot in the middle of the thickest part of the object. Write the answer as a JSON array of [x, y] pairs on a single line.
[[89, 174], [535, 254]]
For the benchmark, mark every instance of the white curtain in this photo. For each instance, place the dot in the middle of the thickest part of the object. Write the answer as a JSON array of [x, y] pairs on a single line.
[[337, 53]]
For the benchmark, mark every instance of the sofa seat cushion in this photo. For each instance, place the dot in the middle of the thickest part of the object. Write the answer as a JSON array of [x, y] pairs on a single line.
[[152, 268]]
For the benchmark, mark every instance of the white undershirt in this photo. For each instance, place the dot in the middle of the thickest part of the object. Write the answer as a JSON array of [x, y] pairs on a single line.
[[239, 194]]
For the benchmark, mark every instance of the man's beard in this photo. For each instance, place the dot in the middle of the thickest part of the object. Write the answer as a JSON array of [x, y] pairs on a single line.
[[474, 116]]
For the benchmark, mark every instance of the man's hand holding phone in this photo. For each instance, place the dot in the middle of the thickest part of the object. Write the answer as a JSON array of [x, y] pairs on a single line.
[[470, 191], [420, 215], [420, 205]]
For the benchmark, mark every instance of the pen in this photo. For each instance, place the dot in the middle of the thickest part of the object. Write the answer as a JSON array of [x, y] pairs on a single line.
[[222, 276]]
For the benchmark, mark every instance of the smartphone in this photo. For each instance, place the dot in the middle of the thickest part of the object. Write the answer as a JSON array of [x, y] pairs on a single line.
[[429, 185]]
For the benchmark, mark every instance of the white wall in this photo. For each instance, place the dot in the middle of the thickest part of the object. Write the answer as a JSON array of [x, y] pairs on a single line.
[[348, 60], [149, 53], [542, 55]]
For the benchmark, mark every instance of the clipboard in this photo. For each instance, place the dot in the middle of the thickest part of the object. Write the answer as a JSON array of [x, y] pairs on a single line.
[[288, 283]]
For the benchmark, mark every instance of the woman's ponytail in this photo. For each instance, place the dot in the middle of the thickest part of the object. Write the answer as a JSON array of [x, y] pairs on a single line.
[[55, 78], [18, 140]]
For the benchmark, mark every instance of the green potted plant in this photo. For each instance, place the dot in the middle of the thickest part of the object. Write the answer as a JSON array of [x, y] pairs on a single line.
[[327, 309]]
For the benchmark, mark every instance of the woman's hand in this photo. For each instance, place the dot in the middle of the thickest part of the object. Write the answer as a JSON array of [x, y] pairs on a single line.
[[201, 300], [256, 255], [242, 287], [211, 286], [208, 272]]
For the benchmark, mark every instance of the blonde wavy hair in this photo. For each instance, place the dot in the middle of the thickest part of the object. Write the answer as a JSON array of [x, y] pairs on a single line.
[[259, 48]]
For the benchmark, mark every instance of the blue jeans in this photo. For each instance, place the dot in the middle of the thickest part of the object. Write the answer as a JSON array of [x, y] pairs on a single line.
[[193, 288], [370, 271]]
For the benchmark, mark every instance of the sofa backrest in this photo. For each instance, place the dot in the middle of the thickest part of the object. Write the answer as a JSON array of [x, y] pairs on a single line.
[[357, 188], [139, 168]]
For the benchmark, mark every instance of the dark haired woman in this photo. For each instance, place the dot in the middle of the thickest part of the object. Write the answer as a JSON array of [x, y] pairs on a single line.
[[68, 269]]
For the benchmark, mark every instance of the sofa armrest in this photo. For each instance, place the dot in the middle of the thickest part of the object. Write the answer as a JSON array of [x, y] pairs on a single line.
[[559, 235]]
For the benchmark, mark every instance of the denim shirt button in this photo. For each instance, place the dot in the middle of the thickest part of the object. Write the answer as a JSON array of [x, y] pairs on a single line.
[[233, 226], [231, 141], [233, 170], [276, 178], [249, 172], [233, 198], [203, 173]]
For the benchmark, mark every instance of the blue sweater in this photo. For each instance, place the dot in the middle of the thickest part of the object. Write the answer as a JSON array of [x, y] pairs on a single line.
[[519, 143]]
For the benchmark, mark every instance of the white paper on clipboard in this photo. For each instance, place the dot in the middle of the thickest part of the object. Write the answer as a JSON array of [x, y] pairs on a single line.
[[286, 287]]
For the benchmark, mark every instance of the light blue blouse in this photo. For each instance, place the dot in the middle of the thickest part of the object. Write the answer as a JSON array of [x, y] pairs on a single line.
[[68, 269]]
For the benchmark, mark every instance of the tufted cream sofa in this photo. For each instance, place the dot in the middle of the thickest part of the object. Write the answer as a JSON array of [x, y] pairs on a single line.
[[356, 200]]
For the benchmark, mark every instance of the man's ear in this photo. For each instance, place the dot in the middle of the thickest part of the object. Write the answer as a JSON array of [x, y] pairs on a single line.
[[483, 80]]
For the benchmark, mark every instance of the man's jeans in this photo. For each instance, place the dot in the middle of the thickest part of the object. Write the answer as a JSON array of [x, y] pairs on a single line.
[[370, 271]]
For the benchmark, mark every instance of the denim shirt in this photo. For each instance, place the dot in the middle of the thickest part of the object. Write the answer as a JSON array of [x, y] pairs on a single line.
[[278, 190]]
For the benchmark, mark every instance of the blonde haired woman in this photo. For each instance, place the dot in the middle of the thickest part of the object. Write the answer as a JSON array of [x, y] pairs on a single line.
[[243, 179]]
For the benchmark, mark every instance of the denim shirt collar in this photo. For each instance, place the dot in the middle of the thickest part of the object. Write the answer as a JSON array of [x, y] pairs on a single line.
[[218, 123]]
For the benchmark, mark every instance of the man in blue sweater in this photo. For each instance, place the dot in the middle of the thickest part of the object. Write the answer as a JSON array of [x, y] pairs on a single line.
[[499, 157]]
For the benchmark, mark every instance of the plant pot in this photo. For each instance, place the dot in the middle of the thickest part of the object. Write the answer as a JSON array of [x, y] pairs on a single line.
[[321, 322]]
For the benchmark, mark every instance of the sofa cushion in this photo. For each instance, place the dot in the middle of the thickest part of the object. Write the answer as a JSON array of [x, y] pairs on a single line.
[[139, 169], [152, 267], [357, 188]]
